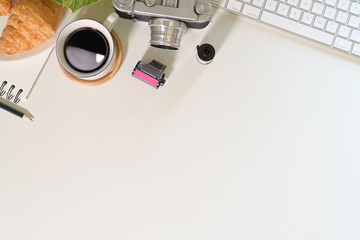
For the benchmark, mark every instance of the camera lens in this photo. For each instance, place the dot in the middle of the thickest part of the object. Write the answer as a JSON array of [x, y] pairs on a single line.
[[166, 33]]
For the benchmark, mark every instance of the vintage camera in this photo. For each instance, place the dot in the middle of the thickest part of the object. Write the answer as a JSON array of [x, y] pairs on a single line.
[[168, 19]]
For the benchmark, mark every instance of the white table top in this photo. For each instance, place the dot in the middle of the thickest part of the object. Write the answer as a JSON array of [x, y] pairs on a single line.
[[263, 143]]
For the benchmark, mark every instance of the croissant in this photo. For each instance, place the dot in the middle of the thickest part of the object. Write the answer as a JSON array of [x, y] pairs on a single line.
[[5, 7], [31, 34], [31, 23]]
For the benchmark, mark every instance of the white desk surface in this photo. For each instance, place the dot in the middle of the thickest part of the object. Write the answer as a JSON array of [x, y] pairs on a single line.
[[263, 143]]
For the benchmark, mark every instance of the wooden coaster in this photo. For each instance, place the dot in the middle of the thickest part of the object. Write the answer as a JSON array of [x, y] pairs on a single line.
[[109, 75]]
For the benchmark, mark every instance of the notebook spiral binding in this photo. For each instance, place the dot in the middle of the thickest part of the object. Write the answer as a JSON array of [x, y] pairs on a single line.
[[9, 93]]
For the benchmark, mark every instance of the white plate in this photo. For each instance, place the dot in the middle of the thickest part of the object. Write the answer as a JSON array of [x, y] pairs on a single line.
[[69, 17]]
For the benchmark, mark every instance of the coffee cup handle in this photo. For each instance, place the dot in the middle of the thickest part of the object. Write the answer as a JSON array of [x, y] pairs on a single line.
[[111, 20]]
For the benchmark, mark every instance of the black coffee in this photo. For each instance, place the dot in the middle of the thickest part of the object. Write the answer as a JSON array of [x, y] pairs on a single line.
[[86, 50]]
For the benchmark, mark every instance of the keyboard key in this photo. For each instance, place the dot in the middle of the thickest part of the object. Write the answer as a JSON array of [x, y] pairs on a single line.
[[251, 11], [307, 18], [344, 31], [330, 13], [356, 49], [319, 22], [354, 22], [295, 14], [343, 4], [317, 8], [342, 44], [297, 28], [258, 3], [234, 5], [293, 2], [332, 27], [355, 8], [331, 2], [270, 5], [342, 17], [305, 4], [355, 35], [283, 9]]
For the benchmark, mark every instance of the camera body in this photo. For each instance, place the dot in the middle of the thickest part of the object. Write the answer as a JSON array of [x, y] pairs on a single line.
[[168, 19]]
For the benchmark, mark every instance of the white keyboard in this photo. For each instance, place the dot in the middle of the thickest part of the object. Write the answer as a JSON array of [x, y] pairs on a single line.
[[334, 23]]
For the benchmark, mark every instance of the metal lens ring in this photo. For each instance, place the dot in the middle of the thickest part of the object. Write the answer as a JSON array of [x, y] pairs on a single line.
[[166, 33]]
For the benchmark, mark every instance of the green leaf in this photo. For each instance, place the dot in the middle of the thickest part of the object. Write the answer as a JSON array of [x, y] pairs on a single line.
[[75, 5]]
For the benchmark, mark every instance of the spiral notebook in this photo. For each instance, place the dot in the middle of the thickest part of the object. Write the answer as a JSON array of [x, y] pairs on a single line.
[[19, 77], [19, 73]]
